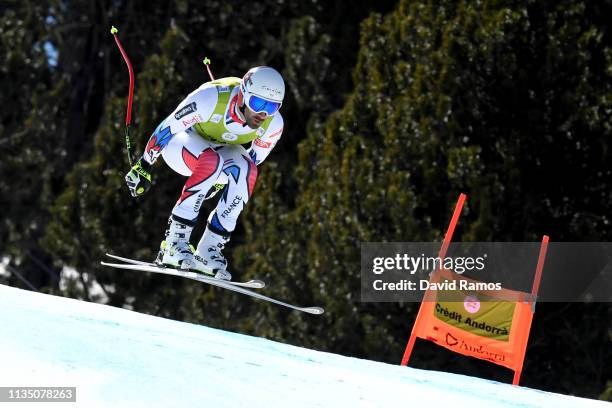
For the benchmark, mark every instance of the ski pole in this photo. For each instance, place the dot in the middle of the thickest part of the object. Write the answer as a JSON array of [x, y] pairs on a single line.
[[206, 62], [128, 115]]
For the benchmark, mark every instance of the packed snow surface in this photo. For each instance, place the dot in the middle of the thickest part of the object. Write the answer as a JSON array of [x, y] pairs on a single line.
[[120, 358]]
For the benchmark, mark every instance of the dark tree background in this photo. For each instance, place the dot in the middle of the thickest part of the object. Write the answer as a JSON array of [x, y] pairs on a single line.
[[392, 109]]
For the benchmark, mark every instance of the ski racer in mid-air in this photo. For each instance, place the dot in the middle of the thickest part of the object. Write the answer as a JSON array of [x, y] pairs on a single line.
[[202, 139]]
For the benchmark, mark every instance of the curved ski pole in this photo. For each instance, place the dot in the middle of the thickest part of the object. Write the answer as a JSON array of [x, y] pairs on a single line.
[[128, 115]]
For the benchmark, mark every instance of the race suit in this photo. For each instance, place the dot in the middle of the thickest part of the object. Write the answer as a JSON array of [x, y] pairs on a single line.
[[202, 139]]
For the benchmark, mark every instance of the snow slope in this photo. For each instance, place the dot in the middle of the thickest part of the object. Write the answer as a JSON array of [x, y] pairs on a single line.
[[119, 358]]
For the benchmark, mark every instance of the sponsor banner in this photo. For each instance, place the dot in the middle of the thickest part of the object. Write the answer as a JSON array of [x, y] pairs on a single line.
[[478, 327], [481, 317]]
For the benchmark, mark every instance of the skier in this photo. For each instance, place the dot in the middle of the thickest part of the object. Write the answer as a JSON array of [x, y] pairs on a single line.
[[203, 139]]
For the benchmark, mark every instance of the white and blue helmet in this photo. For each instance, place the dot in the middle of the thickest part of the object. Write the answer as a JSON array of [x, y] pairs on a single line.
[[263, 90]]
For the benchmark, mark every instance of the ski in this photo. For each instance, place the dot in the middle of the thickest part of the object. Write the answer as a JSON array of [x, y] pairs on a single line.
[[214, 282], [129, 260], [253, 284]]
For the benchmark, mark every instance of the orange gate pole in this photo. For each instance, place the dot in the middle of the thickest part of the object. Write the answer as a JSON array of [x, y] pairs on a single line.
[[445, 244]]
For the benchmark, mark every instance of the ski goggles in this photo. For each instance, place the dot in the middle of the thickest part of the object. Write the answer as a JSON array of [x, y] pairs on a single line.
[[258, 104]]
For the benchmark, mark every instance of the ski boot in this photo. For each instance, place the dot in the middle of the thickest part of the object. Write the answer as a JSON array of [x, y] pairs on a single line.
[[175, 251], [209, 250]]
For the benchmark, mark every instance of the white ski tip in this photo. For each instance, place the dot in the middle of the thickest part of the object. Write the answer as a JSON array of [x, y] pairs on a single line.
[[256, 283], [315, 310]]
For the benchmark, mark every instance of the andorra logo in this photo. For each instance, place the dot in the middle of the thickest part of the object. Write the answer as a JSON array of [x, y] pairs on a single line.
[[451, 340]]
